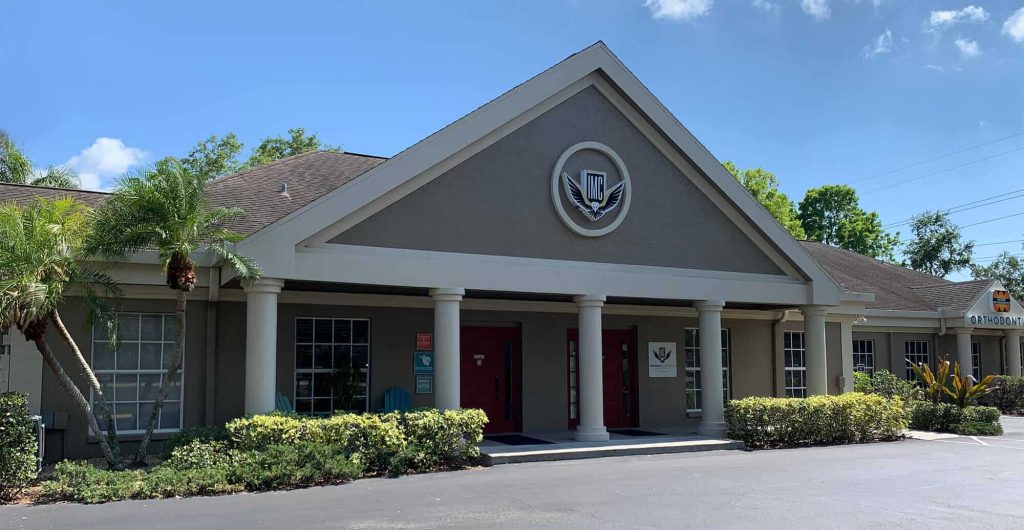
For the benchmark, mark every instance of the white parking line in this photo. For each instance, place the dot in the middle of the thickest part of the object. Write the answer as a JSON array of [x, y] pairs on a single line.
[[976, 439]]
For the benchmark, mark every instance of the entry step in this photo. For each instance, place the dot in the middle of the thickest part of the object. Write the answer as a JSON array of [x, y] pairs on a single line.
[[492, 455]]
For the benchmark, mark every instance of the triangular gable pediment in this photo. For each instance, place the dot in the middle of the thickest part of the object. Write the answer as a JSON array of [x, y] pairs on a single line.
[[392, 181], [995, 308]]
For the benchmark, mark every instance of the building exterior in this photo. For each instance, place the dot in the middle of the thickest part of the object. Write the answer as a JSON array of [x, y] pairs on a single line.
[[567, 256]]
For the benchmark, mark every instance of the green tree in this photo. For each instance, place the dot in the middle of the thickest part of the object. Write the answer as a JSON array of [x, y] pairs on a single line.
[[166, 210], [16, 168], [938, 247], [42, 248], [1006, 268], [832, 214], [764, 186], [276, 148]]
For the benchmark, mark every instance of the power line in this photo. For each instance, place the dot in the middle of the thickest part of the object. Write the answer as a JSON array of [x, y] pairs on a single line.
[[988, 201], [926, 175], [998, 243], [915, 164], [993, 220]]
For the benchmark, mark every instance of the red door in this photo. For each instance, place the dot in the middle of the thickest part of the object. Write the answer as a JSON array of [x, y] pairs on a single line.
[[491, 375], [619, 374]]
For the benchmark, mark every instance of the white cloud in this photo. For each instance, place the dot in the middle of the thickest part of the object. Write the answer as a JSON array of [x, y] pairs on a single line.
[[816, 8], [1014, 26], [104, 159], [945, 19], [968, 48], [940, 68], [767, 6], [881, 44], [679, 9]]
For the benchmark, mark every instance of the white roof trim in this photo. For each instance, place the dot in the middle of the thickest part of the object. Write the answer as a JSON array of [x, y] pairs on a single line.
[[274, 245]]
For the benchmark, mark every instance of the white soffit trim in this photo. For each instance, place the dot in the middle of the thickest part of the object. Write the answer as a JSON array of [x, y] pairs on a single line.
[[274, 246]]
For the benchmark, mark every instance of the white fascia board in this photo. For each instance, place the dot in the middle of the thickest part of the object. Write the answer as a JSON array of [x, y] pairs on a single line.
[[419, 268], [274, 246]]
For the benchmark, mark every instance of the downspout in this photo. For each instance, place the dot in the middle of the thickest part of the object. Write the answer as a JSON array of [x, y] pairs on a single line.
[[213, 295], [777, 348]]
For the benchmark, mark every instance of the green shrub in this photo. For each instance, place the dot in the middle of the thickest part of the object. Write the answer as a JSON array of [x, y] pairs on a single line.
[[826, 420], [204, 455], [275, 428], [889, 385], [438, 440], [974, 428], [291, 466], [1007, 395], [862, 383], [81, 482], [191, 434], [165, 481], [17, 446], [375, 438], [947, 417]]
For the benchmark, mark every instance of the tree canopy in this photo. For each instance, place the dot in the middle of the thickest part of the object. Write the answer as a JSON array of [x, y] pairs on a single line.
[[1006, 268], [16, 168], [217, 156], [277, 147], [938, 247], [832, 214], [764, 186]]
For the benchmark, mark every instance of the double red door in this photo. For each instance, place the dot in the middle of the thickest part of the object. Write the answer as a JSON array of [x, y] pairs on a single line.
[[491, 374], [619, 378]]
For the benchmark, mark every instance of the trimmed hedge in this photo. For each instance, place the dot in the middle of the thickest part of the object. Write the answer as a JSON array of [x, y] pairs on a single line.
[[1007, 395], [17, 445], [817, 420], [947, 417]]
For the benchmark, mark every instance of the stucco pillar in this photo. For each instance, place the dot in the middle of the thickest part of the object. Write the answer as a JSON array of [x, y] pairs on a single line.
[[261, 345], [591, 379], [814, 353], [846, 338], [1013, 362], [712, 421], [447, 329], [963, 351]]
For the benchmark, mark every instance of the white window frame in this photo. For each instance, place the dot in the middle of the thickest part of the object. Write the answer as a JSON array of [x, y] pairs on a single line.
[[793, 368], [691, 358], [975, 360], [165, 342], [916, 351], [314, 371], [865, 349]]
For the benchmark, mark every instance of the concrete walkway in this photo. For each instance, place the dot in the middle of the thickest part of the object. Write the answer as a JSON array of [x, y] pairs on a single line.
[[562, 446]]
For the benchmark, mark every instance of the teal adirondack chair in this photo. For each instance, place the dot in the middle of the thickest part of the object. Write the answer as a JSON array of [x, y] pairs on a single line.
[[396, 400], [282, 404]]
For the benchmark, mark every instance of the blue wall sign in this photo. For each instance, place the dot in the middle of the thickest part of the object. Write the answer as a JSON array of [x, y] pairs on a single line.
[[424, 362]]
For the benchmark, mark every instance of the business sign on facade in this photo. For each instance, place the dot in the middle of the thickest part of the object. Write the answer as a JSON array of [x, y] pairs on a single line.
[[996, 309], [425, 341], [661, 359], [424, 384], [1001, 301], [423, 362]]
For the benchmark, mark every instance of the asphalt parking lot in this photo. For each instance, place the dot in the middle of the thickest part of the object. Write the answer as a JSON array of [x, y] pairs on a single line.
[[965, 482]]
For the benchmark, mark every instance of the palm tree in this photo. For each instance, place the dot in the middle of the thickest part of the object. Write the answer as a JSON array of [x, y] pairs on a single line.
[[41, 248], [16, 168], [165, 209]]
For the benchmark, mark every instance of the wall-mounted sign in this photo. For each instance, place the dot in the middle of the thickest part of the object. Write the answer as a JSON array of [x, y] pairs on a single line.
[[423, 362], [424, 384], [586, 203], [425, 341], [479, 359], [1001, 301], [661, 359]]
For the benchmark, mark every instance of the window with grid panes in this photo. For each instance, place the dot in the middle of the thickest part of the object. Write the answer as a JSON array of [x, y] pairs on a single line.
[[864, 356], [796, 369], [916, 352], [691, 350], [332, 364], [976, 360], [131, 373]]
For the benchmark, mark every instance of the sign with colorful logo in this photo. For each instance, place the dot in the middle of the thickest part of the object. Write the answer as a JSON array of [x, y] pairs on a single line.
[[425, 341], [1001, 301], [661, 359], [423, 362], [596, 202]]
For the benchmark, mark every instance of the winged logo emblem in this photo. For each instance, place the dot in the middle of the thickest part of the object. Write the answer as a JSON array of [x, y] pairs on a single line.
[[590, 195], [662, 354]]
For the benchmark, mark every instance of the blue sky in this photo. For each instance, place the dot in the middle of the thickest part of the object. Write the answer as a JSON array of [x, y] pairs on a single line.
[[818, 91]]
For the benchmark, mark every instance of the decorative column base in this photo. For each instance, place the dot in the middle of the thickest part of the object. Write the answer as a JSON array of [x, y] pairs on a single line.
[[591, 434]]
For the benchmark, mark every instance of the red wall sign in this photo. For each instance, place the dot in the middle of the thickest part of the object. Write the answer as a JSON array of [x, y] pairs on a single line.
[[425, 341]]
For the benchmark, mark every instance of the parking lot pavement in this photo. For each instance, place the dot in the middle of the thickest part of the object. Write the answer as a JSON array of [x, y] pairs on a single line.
[[1012, 438]]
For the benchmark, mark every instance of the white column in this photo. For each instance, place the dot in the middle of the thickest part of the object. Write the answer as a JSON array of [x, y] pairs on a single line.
[[846, 338], [963, 351], [591, 380], [447, 330], [814, 354], [1013, 363], [261, 345], [712, 421]]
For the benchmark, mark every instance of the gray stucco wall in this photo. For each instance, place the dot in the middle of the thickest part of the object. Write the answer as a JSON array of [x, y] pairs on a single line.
[[498, 202]]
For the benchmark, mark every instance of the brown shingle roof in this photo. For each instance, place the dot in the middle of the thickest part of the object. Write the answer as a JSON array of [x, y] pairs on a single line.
[[257, 190], [894, 287]]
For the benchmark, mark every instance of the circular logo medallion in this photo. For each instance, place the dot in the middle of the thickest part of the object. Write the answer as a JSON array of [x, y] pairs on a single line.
[[590, 189]]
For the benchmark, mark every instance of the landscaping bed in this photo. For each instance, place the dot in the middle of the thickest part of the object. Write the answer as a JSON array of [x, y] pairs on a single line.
[[282, 451]]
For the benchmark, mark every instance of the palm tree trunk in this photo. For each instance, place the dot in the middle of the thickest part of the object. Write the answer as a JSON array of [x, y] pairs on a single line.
[[90, 376], [69, 386], [173, 372]]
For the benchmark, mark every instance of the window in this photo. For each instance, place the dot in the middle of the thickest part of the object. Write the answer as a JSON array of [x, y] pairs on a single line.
[[131, 374], [796, 368], [691, 348], [976, 360], [864, 356], [916, 352], [332, 365]]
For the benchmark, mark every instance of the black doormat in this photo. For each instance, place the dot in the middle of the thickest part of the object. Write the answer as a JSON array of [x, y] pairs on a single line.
[[635, 432], [515, 439]]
